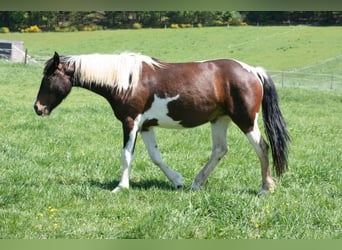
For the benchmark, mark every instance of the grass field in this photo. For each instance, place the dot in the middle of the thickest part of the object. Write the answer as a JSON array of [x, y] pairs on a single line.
[[56, 173]]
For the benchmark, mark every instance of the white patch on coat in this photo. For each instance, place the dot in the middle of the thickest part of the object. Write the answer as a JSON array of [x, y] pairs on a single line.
[[159, 111]]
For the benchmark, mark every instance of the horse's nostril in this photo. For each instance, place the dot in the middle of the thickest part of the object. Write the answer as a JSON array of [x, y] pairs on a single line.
[[38, 112], [37, 109]]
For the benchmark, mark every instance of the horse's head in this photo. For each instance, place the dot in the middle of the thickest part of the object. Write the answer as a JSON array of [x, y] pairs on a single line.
[[55, 86]]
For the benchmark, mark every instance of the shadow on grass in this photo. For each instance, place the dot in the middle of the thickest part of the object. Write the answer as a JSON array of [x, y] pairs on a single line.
[[152, 184], [142, 185], [251, 192]]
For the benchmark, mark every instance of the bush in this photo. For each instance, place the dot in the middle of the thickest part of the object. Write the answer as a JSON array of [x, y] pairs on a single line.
[[186, 25], [61, 29], [183, 25], [90, 27], [81, 27], [4, 30], [31, 29], [220, 23], [174, 26], [137, 26], [235, 19]]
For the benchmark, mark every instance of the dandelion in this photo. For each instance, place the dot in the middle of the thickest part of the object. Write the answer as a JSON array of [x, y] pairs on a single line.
[[267, 209], [257, 225], [47, 221], [52, 209]]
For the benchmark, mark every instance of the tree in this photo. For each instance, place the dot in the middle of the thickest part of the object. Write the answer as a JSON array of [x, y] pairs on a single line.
[[49, 20]]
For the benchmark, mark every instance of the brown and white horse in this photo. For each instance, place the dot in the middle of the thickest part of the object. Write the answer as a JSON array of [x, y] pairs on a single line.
[[145, 92]]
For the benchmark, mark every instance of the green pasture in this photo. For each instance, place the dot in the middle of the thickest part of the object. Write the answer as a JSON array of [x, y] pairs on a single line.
[[56, 173], [275, 48]]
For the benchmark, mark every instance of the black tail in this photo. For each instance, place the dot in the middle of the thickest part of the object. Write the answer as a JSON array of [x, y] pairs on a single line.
[[275, 126]]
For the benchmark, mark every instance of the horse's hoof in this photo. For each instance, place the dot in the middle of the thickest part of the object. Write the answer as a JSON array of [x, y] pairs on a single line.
[[118, 189], [264, 191], [178, 182], [195, 187]]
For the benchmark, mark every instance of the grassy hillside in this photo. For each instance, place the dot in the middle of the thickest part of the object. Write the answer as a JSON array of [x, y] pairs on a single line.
[[57, 172], [275, 48]]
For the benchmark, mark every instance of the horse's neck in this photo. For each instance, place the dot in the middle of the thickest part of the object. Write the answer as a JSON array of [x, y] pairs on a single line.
[[97, 89]]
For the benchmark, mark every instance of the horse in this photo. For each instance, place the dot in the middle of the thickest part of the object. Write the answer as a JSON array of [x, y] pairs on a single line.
[[145, 92]]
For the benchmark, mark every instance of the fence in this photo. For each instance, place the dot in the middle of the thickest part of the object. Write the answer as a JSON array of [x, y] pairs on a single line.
[[304, 79], [281, 78]]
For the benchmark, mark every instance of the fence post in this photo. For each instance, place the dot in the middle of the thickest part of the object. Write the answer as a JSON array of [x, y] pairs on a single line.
[[282, 79], [332, 80], [25, 62]]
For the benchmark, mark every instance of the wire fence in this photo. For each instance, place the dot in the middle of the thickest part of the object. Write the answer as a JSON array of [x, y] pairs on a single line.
[[305, 79], [281, 78]]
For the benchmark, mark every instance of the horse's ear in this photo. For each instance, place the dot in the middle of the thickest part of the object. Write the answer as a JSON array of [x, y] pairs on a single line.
[[56, 60]]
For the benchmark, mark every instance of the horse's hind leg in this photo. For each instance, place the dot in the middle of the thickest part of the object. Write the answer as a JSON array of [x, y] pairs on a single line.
[[152, 148], [219, 140], [261, 148]]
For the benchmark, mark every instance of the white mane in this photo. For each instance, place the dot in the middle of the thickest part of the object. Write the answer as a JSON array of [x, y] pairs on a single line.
[[114, 70]]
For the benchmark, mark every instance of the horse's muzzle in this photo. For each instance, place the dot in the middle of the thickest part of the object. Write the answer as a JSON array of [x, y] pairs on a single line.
[[40, 109]]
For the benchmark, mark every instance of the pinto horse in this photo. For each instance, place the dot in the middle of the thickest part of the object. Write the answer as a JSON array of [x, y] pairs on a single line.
[[145, 93]]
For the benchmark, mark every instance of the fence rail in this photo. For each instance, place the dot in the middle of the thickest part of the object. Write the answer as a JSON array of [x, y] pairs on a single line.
[[281, 78], [305, 79]]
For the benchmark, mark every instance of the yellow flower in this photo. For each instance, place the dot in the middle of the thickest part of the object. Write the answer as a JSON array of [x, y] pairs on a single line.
[[52, 209], [267, 209]]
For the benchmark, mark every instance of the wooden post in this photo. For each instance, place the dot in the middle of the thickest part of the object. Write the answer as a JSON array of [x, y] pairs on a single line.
[[25, 57]]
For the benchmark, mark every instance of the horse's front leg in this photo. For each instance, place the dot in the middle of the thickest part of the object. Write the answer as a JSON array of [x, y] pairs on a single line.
[[130, 130]]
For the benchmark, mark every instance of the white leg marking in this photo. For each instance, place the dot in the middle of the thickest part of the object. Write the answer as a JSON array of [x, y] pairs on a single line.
[[127, 156], [260, 147], [219, 139], [152, 148]]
